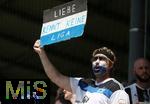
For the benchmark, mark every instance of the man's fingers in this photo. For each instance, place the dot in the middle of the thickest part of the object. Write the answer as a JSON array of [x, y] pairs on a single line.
[[36, 46]]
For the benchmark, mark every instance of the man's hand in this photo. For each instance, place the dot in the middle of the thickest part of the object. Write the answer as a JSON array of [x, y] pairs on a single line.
[[37, 47]]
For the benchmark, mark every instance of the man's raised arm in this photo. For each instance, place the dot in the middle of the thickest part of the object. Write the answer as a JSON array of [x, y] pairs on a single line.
[[55, 76]]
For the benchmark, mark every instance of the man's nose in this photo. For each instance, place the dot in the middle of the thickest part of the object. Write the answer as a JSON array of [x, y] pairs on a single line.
[[97, 63], [144, 69]]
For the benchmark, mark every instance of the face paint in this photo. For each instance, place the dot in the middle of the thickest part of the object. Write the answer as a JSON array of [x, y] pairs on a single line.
[[99, 67]]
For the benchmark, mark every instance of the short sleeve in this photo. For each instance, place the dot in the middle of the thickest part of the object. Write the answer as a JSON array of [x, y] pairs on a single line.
[[76, 88], [74, 84]]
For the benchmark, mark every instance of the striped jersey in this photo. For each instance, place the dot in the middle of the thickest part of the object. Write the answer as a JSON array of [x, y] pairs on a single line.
[[137, 94], [109, 91]]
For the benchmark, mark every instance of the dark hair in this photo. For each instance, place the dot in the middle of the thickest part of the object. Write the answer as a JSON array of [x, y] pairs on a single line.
[[107, 52]]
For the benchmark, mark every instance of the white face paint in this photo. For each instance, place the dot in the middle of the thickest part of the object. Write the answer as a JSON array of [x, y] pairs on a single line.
[[100, 62]]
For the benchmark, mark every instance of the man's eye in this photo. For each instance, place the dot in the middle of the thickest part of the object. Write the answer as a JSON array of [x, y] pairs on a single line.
[[95, 58], [100, 58], [140, 67]]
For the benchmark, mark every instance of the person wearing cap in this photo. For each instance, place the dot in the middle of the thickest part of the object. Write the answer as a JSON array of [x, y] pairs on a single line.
[[139, 92], [105, 91]]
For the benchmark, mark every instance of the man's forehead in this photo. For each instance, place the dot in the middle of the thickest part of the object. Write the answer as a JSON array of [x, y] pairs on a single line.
[[141, 63], [102, 55]]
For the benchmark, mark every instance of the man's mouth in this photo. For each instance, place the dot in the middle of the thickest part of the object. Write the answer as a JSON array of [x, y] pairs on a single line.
[[96, 69], [96, 66], [99, 69]]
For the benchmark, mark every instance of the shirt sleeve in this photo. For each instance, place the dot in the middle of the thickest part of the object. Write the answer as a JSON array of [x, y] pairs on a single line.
[[74, 84], [75, 88], [119, 97]]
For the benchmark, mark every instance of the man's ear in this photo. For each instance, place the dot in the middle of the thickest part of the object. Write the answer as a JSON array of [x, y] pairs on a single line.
[[110, 65]]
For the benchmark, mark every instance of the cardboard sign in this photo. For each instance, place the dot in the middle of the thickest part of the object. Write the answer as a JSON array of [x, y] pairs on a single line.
[[64, 22]]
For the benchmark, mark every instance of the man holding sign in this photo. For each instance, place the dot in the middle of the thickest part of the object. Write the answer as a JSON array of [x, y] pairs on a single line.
[[106, 90]]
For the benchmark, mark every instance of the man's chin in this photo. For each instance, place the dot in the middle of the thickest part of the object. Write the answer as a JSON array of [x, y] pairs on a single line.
[[144, 80], [99, 75]]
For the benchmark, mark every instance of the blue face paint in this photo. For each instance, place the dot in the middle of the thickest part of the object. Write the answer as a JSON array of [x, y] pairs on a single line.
[[99, 67], [100, 70]]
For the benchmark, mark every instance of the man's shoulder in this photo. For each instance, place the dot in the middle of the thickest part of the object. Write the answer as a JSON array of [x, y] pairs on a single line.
[[130, 86], [113, 85]]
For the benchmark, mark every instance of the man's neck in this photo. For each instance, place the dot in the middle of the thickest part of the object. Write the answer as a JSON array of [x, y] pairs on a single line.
[[100, 79]]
